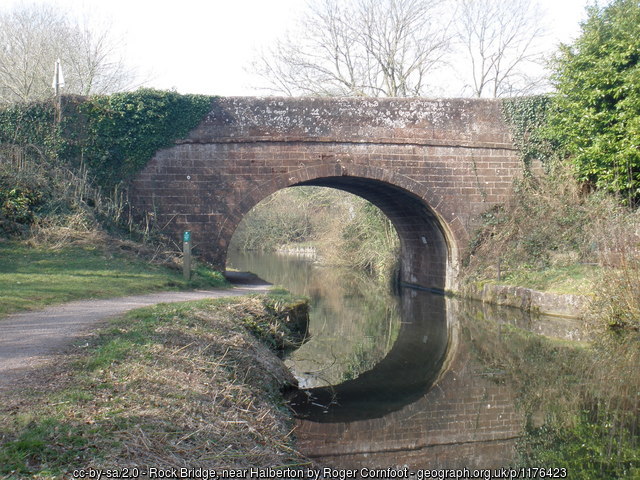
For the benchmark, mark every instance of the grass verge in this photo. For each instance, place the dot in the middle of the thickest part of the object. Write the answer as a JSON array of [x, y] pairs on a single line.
[[33, 277], [180, 385], [555, 235], [577, 279]]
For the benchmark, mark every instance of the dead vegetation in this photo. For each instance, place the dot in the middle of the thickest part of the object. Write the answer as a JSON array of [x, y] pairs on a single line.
[[555, 230], [547, 222], [181, 385], [47, 204]]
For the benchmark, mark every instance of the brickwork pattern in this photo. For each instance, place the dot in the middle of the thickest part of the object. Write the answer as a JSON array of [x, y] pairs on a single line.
[[465, 420], [431, 165]]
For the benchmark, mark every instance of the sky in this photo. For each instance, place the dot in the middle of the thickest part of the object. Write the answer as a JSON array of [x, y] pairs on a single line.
[[206, 46]]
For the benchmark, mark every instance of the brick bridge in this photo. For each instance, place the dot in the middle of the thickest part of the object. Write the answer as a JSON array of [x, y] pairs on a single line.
[[430, 165]]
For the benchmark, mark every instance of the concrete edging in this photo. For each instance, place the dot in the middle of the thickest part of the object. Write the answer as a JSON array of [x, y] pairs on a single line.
[[555, 304]]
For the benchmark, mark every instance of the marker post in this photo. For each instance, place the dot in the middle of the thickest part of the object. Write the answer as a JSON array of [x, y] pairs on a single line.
[[186, 255]]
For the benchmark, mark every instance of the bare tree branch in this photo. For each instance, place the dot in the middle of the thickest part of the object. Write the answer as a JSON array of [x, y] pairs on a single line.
[[33, 36], [501, 40], [359, 47]]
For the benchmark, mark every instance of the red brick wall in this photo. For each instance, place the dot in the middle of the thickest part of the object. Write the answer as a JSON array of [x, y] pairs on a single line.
[[431, 165]]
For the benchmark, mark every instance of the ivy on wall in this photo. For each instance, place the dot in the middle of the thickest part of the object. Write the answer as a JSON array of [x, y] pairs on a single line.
[[114, 136], [527, 118], [30, 124], [126, 129]]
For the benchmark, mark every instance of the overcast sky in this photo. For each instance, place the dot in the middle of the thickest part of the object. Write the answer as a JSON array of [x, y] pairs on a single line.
[[204, 46]]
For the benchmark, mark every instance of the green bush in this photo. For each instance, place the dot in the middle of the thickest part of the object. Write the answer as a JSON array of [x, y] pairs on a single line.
[[30, 125], [595, 118], [21, 196], [591, 449]]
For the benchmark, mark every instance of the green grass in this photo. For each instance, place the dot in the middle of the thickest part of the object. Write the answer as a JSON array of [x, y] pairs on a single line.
[[31, 278], [589, 449], [573, 279], [42, 438], [182, 381]]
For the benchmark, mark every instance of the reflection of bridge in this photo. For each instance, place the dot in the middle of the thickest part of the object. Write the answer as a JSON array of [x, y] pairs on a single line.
[[402, 377], [430, 165], [421, 406]]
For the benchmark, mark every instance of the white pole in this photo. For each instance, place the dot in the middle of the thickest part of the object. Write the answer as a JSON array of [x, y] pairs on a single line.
[[58, 81]]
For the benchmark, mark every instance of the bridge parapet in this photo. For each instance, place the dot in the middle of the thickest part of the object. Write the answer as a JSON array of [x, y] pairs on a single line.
[[431, 165], [402, 121]]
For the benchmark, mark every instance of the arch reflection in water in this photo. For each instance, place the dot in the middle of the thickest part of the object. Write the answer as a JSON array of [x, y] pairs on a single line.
[[405, 339], [353, 322], [400, 378], [426, 403]]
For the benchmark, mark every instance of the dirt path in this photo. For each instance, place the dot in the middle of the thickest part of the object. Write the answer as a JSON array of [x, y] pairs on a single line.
[[31, 341]]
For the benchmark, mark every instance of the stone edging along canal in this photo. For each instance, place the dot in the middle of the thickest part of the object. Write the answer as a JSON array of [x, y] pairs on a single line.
[[545, 303]]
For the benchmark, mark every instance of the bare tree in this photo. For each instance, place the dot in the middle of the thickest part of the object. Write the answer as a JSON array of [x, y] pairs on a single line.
[[32, 37], [361, 48], [501, 42], [96, 64]]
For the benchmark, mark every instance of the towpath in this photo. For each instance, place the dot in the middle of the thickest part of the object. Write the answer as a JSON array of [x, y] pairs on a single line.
[[31, 341]]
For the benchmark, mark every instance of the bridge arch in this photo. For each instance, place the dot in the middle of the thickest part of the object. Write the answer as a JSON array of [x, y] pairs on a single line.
[[427, 248], [432, 165]]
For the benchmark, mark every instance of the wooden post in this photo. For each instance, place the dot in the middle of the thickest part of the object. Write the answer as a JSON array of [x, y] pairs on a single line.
[[186, 258]]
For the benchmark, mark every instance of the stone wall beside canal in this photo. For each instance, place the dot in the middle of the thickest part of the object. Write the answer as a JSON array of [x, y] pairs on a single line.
[[546, 303]]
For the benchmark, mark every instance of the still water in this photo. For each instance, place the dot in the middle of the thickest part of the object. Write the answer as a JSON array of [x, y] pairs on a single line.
[[407, 379], [353, 322]]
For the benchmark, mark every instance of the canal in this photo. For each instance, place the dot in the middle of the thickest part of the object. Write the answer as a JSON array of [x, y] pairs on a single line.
[[416, 379]]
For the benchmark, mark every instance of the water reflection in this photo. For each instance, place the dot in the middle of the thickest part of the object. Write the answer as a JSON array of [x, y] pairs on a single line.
[[390, 413], [353, 322], [400, 378], [438, 384], [459, 415]]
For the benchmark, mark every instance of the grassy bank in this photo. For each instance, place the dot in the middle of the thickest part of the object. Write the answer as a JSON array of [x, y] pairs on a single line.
[[62, 238], [168, 386], [33, 277], [577, 279], [554, 235]]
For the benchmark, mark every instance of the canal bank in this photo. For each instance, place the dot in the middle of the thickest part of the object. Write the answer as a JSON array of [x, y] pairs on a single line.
[[194, 384], [425, 400], [460, 383], [527, 299]]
